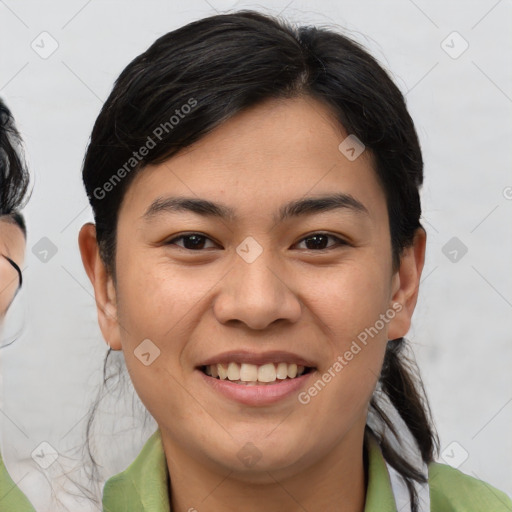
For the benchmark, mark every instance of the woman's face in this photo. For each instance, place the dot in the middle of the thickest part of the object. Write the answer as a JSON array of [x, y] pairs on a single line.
[[254, 285], [12, 244]]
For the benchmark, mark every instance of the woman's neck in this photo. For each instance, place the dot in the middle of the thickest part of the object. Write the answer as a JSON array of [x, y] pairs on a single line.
[[336, 482]]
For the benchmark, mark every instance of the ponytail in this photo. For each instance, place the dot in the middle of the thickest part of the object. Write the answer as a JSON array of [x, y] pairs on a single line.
[[400, 386]]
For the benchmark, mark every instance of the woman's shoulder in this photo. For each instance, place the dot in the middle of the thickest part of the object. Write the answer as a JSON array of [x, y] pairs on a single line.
[[11, 498], [143, 484], [451, 490]]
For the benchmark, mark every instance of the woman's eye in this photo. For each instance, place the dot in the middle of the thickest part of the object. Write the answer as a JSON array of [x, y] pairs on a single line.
[[318, 241], [194, 241]]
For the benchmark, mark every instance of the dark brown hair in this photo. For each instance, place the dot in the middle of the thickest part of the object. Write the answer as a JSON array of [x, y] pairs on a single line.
[[14, 176]]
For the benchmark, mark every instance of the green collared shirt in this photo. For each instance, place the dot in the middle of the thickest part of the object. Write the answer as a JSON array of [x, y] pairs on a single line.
[[143, 486], [11, 498]]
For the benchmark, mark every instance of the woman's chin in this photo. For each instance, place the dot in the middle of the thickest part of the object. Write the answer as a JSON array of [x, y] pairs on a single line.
[[260, 461]]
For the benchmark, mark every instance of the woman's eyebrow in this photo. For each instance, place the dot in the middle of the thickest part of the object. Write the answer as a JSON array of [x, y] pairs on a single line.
[[295, 208]]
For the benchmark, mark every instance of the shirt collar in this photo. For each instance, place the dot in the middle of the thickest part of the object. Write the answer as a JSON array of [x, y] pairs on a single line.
[[143, 485], [11, 498]]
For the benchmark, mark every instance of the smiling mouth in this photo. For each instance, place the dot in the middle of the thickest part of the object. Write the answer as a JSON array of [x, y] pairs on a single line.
[[252, 375]]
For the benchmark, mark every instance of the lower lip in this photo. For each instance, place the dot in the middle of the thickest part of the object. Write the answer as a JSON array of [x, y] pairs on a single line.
[[257, 395]]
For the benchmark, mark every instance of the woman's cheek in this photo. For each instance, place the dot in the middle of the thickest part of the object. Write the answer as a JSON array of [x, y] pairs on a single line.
[[351, 300], [150, 302]]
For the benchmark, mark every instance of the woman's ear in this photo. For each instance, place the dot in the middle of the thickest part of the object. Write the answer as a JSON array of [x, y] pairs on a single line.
[[405, 285], [102, 282]]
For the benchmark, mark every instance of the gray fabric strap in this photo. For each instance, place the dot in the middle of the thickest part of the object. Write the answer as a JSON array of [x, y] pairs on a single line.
[[401, 493]]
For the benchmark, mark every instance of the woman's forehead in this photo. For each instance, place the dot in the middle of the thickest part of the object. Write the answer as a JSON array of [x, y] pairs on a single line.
[[281, 149]]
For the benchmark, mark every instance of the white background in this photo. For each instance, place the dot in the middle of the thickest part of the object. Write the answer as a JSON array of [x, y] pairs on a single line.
[[462, 109]]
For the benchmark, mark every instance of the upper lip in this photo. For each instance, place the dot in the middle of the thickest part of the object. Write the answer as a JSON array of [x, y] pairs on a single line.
[[257, 358]]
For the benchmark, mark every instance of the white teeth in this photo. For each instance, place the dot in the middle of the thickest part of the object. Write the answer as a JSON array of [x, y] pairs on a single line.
[[282, 371], [233, 371], [251, 374], [267, 373], [248, 372], [292, 371], [222, 370]]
